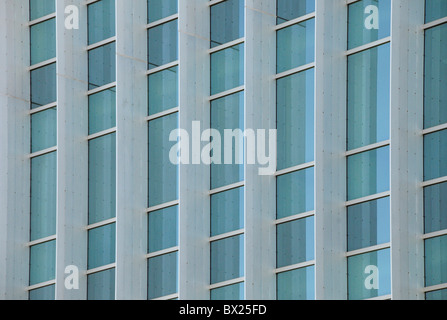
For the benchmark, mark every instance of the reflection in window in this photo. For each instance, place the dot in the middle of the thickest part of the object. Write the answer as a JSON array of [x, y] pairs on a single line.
[[162, 275], [163, 90], [159, 9], [41, 8], [227, 211], [43, 294], [435, 207], [227, 21], [101, 21], [435, 155], [42, 262], [231, 292], [291, 9], [101, 246], [163, 44], [435, 261], [163, 229], [43, 86], [43, 130], [43, 41], [227, 69], [227, 259], [296, 284], [435, 9], [102, 111], [101, 285], [101, 66]]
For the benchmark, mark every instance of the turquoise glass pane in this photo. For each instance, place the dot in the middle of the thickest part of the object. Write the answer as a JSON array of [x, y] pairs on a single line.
[[43, 130], [163, 90], [101, 21], [43, 294], [435, 9], [295, 242], [101, 66], [102, 178], [435, 155], [101, 285], [42, 262], [435, 207], [43, 196], [369, 224], [369, 97], [227, 211], [163, 229], [101, 246], [369, 275], [435, 261], [227, 21], [163, 174], [102, 111], [43, 86], [233, 292], [295, 119], [297, 284], [436, 295], [227, 113], [159, 9], [227, 259], [163, 275], [295, 46], [369, 20], [368, 173], [41, 8], [295, 193], [291, 9], [227, 69], [163, 44], [435, 95], [43, 41]]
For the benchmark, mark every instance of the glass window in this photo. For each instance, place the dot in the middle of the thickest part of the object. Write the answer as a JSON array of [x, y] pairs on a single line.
[[227, 259], [101, 21], [435, 9], [101, 246], [42, 294], [227, 69], [295, 193], [368, 173], [101, 285], [163, 90], [163, 229], [41, 8], [232, 292], [369, 20], [163, 175], [290, 9], [43, 196], [369, 224], [369, 97], [435, 95], [163, 44], [369, 275], [162, 275], [436, 295], [227, 113], [435, 207], [43, 86], [227, 211], [435, 261], [101, 66], [297, 284], [227, 21], [102, 111], [295, 119], [102, 178], [295, 46], [435, 155], [159, 9], [295, 242], [43, 41], [43, 130], [42, 262]]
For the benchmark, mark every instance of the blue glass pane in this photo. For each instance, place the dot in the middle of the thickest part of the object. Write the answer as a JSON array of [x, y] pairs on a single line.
[[43, 41], [43, 130], [297, 284], [40, 8], [295, 242], [369, 20], [369, 275], [101, 66], [102, 178], [295, 119], [163, 90], [435, 261], [369, 97], [436, 295], [43, 196], [233, 292], [163, 275], [159, 9], [227, 21], [369, 224], [368, 173], [435, 9], [295, 46], [42, 262], [163, 174], [163, 229], [101, 285], [101, 20], [295, 193], [43, 86], [435, 207], [227, 259], [227, 211], [102, 111], [227, 69], [435, 155], [163, 44], [290, 9], [41, 294], [101, 246]]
